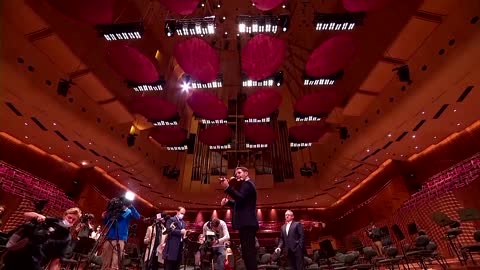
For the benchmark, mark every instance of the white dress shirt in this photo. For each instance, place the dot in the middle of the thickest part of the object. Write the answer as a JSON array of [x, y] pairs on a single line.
[[288, 227]]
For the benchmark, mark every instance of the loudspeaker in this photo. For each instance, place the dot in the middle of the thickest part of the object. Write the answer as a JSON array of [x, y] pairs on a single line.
[[412, 229], [191, 143], [398, 232]]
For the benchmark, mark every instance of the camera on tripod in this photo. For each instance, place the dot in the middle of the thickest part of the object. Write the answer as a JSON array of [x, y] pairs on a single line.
[[85, 218], [115, 206]]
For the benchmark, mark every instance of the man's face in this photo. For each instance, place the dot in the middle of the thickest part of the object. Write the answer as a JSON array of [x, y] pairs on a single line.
[[71, 218], [182, 212], [288, 216], [241, 174], [1, 210]]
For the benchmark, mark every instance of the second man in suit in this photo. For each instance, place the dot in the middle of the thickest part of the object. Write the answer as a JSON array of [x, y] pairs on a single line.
[[292, 239]]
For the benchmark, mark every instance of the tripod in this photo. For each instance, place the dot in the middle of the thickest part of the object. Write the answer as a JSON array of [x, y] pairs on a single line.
[[113, 221]]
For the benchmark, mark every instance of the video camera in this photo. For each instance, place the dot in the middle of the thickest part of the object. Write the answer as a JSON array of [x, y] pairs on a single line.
[[157, 219], [85, 218], [115, 205]]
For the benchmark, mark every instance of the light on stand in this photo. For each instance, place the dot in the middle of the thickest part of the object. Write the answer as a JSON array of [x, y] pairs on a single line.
[[129, 195]]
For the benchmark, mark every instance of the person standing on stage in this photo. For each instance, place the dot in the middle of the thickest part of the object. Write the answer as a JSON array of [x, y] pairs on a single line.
[[244, 214], [176, 233], [292, 238]]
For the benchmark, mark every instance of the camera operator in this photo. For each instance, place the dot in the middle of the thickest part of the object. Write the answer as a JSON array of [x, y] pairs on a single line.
[[85, 227], [41, 241], [216, 234], [118, 215], [154, 239]]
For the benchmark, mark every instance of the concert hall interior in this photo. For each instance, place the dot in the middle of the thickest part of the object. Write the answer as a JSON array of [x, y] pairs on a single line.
[[359, 116]]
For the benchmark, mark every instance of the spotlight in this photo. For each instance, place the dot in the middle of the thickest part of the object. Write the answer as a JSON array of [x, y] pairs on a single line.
[[121, 31], [213, 122], [63, 87], [338, 21], [217, 83], [275, 79], [256, 146], [185, 86], [146, 87], [131, 139], [190, 27], [327, 80], [403, 73], [293, 144], [164, 123], [343, 132], [308, 119], [220, 147], [262, 24], [177, 148], [253, 120], [129, 195]]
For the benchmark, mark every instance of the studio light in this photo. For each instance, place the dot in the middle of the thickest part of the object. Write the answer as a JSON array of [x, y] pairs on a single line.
[[338, 21], [190, 27], [253, 120], [256, 146], [292, 144], [177, 148], [220, 147], [217, 83], [213, 122], [185, 86], [121, 31], [63, 87], [327, 80], [273, 80], [164, 123], [146, 87], [262, 24], [129, 195], [403, 73], [308, 119]]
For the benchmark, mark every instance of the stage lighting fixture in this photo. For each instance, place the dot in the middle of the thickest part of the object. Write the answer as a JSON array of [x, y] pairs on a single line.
[[63, 87], [131, 139], [253, 120], [338, 21], [403, 73], [190, 27], [327, 80], [121, 31], [129, 195], [213, 122], [292, 144], [308, 119], [177, 148], [147, 87], [256, 146], [220, 147], [273, 80], [217, 83], [262, 24], [343, 132], [164, 123]]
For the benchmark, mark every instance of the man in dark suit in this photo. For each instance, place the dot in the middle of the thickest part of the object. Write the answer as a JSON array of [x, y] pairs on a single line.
[[172, 252], [244, 205], [292, 239]]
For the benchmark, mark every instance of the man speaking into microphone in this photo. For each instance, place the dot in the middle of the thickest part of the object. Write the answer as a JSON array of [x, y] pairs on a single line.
[[244, 205]]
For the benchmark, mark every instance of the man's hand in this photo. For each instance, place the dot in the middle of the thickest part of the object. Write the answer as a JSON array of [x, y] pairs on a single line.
[[224, 202], [183, 231], [277, 250], [216, 243], [104, 214]]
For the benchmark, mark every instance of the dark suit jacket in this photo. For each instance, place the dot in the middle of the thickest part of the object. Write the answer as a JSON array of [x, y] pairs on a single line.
[[173, 243], [295, 238], [244, 204]]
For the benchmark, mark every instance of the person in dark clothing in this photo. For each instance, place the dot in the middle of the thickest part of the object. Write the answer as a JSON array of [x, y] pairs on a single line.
[[244, 203], [172, 252], [292, 239]]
